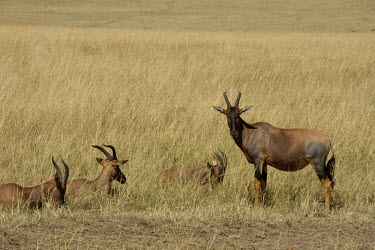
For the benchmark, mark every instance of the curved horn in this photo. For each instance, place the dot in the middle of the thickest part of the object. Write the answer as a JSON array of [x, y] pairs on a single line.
[[108, 155], [225, 159], [113, 151], [227, 100], [58, 171], [238, 99], [222, 164], [66, 172]]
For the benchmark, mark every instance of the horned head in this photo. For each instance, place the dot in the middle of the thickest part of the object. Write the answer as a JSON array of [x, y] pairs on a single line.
[[218, 166], [112, 162], [58, 193], [233, 113]]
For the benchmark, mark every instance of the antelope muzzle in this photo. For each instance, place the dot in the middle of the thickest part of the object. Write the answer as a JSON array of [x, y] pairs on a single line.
[[121, 178]]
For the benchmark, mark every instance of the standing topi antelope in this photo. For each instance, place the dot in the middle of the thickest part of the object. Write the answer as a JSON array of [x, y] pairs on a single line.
[[103, 183], [52, 190], [211, 173], [283, 149]]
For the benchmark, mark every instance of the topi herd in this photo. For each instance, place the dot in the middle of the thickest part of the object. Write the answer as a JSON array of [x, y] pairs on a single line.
[[262, 144]]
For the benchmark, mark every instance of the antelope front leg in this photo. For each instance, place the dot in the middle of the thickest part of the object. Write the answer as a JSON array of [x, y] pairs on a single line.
[[257, 185], [260, 180]]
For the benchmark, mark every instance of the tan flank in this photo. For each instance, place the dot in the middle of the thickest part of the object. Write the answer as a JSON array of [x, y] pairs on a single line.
[[284, 149], [211, 173], [103, 183], [52, 190]]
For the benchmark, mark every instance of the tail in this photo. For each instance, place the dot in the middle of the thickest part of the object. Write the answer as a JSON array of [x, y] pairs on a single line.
[[330, 166]]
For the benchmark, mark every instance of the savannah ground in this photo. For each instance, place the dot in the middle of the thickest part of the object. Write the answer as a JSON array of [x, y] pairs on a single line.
[[143, 76]]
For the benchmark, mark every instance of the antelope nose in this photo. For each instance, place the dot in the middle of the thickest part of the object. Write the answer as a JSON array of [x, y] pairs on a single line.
[[234, 133]]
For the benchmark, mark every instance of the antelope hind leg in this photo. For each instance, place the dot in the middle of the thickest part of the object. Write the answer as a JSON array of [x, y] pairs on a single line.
[[328, 190]]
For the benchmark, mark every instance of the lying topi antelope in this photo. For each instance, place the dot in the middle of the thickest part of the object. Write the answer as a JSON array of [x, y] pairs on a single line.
[[52, 190], [284, 149], [111, 171], [211, 173]]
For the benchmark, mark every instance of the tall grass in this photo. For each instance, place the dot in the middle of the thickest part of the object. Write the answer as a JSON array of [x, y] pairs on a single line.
[[151, 95]]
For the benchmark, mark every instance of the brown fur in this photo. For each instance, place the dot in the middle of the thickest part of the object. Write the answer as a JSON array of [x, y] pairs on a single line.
[[51, 190], [211, 173], [283, 149], [103, 183]]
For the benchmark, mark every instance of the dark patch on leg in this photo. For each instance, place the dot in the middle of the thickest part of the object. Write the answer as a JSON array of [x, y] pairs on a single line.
[[315, 149], [262, 177], [260, 182], [264, 173], [257, 174], [330, 167], [320, 171]]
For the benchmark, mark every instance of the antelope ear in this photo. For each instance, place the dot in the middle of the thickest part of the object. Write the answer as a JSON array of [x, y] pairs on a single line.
[[245, 109], [99, 160], [210, 167], [219, 109], [122, 162]]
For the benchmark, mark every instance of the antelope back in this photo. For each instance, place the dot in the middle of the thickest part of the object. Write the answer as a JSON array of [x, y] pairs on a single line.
[[173, 173], [10, 195], [52, 189]]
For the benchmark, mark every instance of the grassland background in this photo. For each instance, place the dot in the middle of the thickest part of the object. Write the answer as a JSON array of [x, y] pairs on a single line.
[[196, 15], [149, 91]]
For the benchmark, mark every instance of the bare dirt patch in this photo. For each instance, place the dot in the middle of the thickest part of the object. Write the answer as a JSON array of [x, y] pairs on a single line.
[[130, 232]]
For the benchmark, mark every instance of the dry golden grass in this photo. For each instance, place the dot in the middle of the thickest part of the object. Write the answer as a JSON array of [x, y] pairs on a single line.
[[150, 94], [193, 15]]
